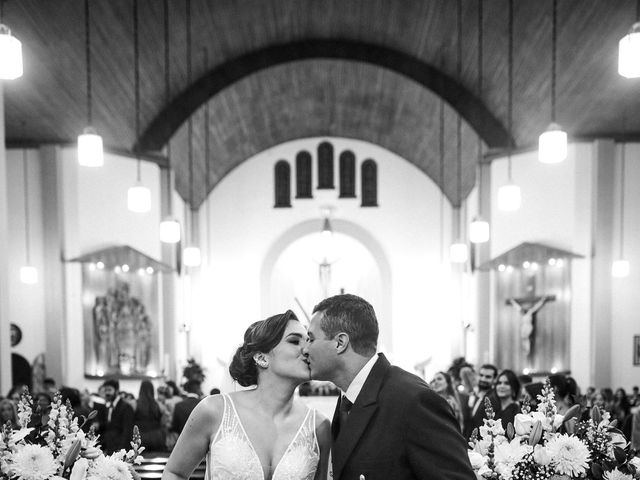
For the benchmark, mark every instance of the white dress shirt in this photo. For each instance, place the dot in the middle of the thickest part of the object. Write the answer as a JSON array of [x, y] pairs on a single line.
[[358, 382]]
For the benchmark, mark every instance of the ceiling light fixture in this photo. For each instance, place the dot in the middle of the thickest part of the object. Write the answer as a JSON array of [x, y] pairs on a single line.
[[458, 251], [509, 196], [629, 50], [552, 143], [479, 231], [90, 149], [170, 229], [138, 196], [10, 51], [620, 268], [28, 273]]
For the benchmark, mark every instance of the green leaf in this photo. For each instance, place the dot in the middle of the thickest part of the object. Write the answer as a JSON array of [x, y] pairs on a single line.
[[511, 432], [536, 433], [573, 412], [595, 414], [72, 455], [597, 471], [570, 426], [620, 454]]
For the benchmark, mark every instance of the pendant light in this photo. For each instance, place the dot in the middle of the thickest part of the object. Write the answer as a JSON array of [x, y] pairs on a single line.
[[138, 196], [28, 273], [552, 144], [479, 231], [458, 251], [191, 254], [170, 229], [90, 150], [629, 50], [620, 267], [10, 51], [509, 197], [441, 181]]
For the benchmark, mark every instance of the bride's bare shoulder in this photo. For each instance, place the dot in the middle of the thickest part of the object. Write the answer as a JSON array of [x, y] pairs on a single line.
[[210, 409]]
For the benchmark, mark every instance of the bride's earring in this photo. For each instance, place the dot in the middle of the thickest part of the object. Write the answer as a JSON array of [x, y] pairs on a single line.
[[261, 361]]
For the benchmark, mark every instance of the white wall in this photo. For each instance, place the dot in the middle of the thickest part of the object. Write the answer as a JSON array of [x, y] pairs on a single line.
[[245, 229]]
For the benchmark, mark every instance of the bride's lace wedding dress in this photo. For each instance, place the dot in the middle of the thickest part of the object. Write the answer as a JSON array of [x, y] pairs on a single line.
[[231, 455]]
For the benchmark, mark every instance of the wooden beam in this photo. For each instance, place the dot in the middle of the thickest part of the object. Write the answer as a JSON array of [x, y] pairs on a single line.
[[461, 99]]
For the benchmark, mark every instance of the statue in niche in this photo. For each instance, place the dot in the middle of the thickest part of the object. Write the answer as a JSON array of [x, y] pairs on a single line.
[[122, 332]]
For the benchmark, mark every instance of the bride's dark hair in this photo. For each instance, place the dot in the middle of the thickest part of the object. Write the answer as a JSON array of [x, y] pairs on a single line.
[[261, 336]]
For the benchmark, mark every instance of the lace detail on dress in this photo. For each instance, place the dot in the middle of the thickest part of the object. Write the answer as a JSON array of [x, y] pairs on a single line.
[[232, 457]]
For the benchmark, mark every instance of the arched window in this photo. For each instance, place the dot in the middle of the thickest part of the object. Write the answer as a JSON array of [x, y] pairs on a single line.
[[347, 174], [283, 184], [303, 174], [369, 183], [325, 165]]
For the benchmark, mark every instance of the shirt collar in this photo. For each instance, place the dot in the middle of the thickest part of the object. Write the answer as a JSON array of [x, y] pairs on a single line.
[[114, 403], [358, 382]]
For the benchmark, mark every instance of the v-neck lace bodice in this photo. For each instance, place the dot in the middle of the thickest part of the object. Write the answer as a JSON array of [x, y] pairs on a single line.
[[231, 455]]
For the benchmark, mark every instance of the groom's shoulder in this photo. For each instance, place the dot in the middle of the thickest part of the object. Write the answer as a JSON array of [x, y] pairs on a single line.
[[404, 382]]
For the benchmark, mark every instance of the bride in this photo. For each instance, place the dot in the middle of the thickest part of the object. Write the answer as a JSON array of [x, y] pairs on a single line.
[[263, 433]]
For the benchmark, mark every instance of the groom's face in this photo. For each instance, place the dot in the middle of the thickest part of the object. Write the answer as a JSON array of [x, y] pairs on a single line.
[[321, 351]]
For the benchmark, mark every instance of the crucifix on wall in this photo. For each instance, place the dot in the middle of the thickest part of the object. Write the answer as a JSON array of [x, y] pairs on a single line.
[[528, 307]]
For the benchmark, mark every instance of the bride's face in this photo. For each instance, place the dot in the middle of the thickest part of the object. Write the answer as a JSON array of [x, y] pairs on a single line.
[[286, 358]]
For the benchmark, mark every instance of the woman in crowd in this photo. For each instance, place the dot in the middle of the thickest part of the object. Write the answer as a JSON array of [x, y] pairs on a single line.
[[8, 413], [148, 418], [507, 391], [443, 386], [621, 406]]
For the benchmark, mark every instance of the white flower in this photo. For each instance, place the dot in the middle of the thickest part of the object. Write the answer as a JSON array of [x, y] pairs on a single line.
[[109, 468], [541, 456], [523, 424], [635, 461], [617, 475], [19, 435], [476, 459], [33, 462], [557, 421], [484, 471], [79, 470], [510, 453], [568, 454]]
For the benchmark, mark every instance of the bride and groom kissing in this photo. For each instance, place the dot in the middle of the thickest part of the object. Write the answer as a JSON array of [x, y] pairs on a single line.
[[388, 424]]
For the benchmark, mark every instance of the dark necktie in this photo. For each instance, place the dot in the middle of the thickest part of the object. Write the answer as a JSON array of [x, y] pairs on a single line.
[[343, 413]]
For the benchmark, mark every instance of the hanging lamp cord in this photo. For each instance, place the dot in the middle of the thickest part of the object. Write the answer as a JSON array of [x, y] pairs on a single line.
[[554, 43], [190, 122], [441, 142], [25, 173], [480, 72], [87, 48], [622, 175], [510, 88], [136, 59], [167, 97]]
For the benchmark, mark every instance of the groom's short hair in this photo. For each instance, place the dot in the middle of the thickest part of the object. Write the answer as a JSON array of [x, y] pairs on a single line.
[[355, 317]]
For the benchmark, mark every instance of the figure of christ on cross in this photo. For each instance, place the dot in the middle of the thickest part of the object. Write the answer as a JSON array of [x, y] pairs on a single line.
[[528, 307]]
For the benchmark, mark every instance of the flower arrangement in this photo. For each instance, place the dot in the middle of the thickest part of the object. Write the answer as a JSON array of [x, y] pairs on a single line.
[[60, 449], [544, 445]]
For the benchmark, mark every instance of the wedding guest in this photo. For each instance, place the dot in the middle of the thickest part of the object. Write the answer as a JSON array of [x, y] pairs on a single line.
[[117, 421], [532, 391], [148, 418], [15, 393], [634, 399], [8, 413], [443, 386], [185, 407], [565, 390], [621, 407], [507, 391], [79, 410], [486, 378], [49, 385]]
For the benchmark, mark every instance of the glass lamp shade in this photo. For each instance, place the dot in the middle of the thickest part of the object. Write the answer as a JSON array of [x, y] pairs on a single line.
[[479, 231], [10, 55], [191, 257], [620, 268], [629, 53], [170, 230], [458, 252], [28, 275], [552, 145], [90, 151], [139, 199], [509, 197]]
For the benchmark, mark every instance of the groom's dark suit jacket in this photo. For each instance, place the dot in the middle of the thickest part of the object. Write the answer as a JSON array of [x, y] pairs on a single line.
[[398, 428]]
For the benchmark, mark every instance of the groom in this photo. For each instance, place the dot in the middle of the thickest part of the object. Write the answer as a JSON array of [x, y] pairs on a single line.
[[388, 423]]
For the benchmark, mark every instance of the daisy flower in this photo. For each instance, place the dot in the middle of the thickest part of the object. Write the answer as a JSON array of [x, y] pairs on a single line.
[[617, 475], [33, 462], [568, 455]]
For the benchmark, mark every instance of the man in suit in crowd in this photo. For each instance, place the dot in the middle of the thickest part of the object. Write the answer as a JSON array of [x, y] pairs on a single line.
[[183, 409], [487, 376], [117, 419], [388, 423]]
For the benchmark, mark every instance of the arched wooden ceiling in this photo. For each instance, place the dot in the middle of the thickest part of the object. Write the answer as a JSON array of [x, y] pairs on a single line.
[[49, 100]]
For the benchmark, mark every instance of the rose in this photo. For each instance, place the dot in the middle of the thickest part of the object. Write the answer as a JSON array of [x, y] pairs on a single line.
[[476, 459], [541, 456], [523, 424]]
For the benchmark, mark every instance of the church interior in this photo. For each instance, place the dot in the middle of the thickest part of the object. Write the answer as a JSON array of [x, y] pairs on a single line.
[[173, 171]]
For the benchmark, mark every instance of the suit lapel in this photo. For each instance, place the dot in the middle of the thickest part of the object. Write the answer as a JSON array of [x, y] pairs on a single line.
[[361, 413], [336, 417]]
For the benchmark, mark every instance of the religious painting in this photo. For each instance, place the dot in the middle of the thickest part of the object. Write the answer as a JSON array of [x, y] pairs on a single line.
[[121, 312], [636, 350]]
